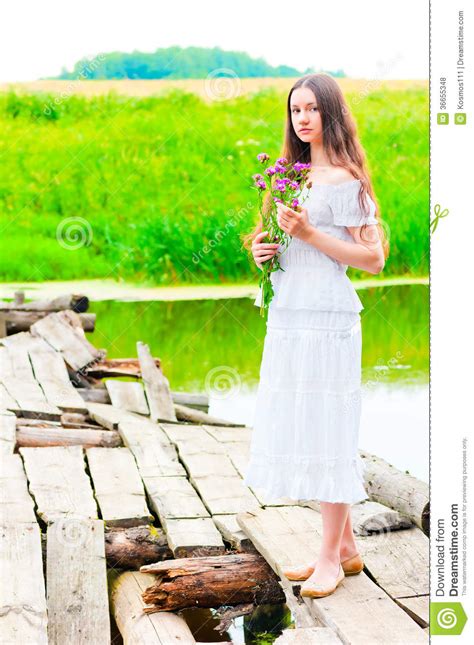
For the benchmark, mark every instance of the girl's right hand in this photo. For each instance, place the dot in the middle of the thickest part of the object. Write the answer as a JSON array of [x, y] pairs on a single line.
[[262, 251]]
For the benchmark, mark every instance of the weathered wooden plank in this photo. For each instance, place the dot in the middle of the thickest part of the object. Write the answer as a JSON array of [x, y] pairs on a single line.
[[174, 497], [418, 607], [359, 611], [48, 364], [20, 362], [6, 367], [30, 399], [398, 560], [30, 436], [59, 483], [77, 597], [157, 386], [193, 537], [7, 434], [224, 495], [192, 439], [23, 614], [127, 395], [118, 487], [201, 464], [137, 627], [63, 331], [232, 533], [307, 635], [63, 395], [7, 402], [228, 434], [16, 504], [155, 457]]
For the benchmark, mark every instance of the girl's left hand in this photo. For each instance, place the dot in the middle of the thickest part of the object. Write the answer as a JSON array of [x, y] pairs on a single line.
[[295, 223]]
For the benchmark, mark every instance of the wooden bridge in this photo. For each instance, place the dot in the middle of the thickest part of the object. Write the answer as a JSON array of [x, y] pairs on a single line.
[[123, 498]]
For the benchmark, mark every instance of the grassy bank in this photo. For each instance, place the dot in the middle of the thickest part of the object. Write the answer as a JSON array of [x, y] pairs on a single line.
[[158, 188]]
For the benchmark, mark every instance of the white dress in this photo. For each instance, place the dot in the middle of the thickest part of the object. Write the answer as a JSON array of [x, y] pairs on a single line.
[[306, 423]]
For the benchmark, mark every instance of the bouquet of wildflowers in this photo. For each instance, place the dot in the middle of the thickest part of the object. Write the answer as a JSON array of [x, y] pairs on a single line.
[[285, 182]]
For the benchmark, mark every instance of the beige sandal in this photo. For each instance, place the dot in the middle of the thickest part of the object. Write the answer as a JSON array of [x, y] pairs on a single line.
[[352, 566], [311, 590]]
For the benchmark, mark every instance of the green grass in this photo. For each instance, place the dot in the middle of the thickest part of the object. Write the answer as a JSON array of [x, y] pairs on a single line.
[[163, 186]]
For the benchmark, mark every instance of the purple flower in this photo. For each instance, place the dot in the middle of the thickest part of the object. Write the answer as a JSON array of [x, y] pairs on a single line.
[[280, 168], [280, 185], [257, 176], [300, 167], [294, 184], [270, 171], [261, 184], [295, 203], [278, 200], [282, 161], [263, 157]]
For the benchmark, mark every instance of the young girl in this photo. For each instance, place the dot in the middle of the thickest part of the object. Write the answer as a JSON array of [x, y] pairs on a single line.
[[306, 425]]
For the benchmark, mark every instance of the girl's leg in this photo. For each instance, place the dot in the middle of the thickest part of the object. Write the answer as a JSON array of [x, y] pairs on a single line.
[[348, 546], [327, 564]]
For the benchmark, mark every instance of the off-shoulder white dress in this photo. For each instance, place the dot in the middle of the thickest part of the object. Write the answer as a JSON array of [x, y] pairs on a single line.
[[306, 423]]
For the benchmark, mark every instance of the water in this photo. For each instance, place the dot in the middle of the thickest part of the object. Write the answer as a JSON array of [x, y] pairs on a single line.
[[215, 346]]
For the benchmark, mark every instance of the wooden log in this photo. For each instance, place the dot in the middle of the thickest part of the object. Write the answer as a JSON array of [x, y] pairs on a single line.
[[185, 413], [196, 400], [371, 517], [156, 386], [118, 487], [77, 302], [77, 596], [18, 321], [398, 490], [23, 613], [63, 331], [211, 582], [127, 395], [136, 626], [54, 436], [116, 367], [59, 483], [132, 548]]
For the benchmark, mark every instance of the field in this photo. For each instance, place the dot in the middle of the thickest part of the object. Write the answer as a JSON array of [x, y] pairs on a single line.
[[152, 182]]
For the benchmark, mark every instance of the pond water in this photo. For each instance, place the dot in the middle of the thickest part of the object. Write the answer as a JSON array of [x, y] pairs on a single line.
[[215, 346]]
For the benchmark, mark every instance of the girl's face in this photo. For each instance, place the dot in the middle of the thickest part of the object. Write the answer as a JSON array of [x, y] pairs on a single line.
[[305, 115]]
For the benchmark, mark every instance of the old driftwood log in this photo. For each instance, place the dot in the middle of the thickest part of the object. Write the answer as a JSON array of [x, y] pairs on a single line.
[[398, 490], [212, 582], [77, 302], [16, 321], [134, 547]]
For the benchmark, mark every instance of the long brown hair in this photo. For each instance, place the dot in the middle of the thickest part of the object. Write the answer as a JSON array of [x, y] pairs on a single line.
[[340, 140]]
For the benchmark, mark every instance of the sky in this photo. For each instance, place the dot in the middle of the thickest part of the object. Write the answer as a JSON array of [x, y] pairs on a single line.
[[366, 38]]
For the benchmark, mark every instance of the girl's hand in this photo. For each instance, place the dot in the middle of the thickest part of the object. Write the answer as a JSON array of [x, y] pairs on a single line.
[[295, 223], [262, 251]]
